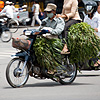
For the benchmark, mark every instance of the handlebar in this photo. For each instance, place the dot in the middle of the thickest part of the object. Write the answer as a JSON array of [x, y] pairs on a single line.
[[35, 32]]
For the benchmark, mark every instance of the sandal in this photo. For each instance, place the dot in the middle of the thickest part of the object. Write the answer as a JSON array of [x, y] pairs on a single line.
[[97, 64], [65, 50]]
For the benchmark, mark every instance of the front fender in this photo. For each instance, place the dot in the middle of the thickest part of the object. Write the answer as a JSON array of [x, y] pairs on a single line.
[[20, 54]]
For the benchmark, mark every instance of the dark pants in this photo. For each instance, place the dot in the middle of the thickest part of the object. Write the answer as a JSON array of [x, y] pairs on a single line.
[[68, 25]]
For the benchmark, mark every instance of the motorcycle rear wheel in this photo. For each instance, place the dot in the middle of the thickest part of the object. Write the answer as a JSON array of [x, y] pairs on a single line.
[[13, 25], [14, 75], [68, 76]]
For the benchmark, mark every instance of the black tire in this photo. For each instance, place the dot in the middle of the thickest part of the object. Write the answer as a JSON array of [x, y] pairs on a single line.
[[69, 75], [14, 75], [66, 72], [6, 36], [13, 25]]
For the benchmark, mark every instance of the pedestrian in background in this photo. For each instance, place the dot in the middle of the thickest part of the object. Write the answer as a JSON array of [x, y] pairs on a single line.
[[36, 13]]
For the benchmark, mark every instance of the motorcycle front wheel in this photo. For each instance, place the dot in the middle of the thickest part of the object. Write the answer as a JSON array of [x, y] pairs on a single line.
[[6, 36], [14, 74]]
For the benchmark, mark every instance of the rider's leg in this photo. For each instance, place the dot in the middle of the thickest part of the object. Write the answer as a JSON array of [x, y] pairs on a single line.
[[67, 26]]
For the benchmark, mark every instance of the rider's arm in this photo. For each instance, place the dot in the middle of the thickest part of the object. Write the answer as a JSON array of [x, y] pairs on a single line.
[[98, 22], [3, 11], [59, 27]]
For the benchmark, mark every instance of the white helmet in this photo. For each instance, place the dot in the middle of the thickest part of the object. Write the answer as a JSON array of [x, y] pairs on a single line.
[[7, 2]]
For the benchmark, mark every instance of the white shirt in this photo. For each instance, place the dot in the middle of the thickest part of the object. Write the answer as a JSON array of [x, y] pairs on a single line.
[[37, 7], [8, 11], [94, 22]]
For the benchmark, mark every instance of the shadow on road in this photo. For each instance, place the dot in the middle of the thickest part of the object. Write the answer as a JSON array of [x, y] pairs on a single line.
[[55, 84], [87, 75], [49, 84]]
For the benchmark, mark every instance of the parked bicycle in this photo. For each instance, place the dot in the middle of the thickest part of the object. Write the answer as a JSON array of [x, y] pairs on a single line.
[[25, 64]]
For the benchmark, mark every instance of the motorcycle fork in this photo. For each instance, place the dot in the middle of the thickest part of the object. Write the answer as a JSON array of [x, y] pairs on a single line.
[[26, 60], [28, 53]]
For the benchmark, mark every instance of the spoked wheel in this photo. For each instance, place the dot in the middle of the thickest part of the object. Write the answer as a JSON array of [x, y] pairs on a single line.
[[6, 36], [13, 25], [69, 71], [14, 74], [69, 75]]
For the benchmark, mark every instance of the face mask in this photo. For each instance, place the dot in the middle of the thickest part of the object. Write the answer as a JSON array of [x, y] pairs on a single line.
[[50, 15]]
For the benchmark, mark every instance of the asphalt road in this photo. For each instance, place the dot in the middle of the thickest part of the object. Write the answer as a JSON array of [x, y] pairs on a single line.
[[85, 87]]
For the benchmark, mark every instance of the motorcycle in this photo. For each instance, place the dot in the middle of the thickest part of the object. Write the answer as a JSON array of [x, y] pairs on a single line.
[[24, 64]]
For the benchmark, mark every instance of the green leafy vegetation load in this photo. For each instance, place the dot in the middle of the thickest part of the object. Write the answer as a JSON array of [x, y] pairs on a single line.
[[82, 43], [48, 51]]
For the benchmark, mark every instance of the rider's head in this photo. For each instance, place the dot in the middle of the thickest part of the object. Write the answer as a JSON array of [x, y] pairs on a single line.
[[51, 10], [90, 7], [7, 2]]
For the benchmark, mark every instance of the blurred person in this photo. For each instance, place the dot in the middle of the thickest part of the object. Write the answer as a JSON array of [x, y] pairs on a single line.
[[36, 13], [7, 11], [71, 16], [92, 17], [24, 7], [20, 9]]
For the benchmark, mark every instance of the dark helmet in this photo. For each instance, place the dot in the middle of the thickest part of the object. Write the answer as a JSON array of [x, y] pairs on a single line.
[[90, 7]]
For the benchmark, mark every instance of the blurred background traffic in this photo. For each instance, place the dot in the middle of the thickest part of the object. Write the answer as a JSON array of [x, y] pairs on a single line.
[[26, 5]]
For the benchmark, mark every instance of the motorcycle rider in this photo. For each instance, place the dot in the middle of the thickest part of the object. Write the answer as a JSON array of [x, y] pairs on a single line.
[[51, 27], [7, 11], [51, 24], [93, 19]]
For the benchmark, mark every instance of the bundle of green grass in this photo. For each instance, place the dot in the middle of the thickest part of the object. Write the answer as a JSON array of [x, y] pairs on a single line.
[[47, 52], [82, 43]]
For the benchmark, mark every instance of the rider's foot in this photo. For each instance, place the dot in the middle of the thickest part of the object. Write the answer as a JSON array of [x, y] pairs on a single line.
[[97, 63], [65, 50]]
